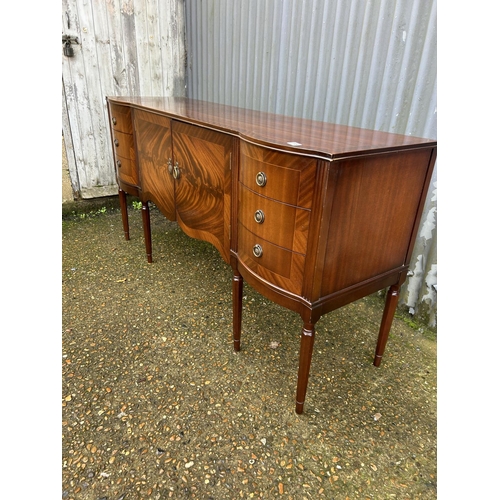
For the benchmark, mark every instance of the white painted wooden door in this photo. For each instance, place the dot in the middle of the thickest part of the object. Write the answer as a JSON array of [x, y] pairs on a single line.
[[125, 47]]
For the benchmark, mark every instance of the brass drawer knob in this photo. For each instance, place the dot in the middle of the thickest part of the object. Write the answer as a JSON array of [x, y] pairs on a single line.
[[261, 179], [259, 216], [116, 143], [114, 120], [257, 250], [119, 163]]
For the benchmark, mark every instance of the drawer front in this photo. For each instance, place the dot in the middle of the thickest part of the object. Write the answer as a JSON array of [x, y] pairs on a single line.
[[284, 225], [121, 118], [123, 145], [281, 267], [282, 176], [126, 170]]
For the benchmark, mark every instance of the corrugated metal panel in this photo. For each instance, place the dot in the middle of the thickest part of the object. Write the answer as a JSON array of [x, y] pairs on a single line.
[[362, 63], [126, 47]]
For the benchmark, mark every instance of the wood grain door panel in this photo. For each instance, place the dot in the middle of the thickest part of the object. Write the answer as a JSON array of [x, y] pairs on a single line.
[[154, 150], [203, 188]]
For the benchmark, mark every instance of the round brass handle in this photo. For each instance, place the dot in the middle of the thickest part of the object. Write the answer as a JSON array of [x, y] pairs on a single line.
[[116, 143], [257, 250], [259, 216], [176, 173], [261, 179], [169, 164], [119, 163], [114, 120]]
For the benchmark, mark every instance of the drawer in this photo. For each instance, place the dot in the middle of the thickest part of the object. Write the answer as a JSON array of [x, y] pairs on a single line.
[[121, 119], [276, 265], [284, 225], [124, 145], [282, 176], [126, 170]]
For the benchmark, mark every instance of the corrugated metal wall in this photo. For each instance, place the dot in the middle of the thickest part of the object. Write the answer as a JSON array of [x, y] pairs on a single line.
[[363, 63]]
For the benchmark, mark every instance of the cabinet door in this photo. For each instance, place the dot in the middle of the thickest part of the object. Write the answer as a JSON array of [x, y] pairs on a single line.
[[203, 184], [154, 154]]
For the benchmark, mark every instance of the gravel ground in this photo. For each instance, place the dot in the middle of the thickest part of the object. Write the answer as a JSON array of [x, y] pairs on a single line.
[[157, 405]]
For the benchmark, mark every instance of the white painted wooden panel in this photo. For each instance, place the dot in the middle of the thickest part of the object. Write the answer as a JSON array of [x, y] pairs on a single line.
[[126, 47]]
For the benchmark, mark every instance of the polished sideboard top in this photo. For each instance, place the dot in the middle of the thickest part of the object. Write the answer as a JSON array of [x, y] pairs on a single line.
[[320, 139]]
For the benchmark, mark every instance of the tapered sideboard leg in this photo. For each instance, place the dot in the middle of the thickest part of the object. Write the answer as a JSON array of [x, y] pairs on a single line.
[[122, 196], [237, 309], [146, 224], [391, 303], [306, 349]]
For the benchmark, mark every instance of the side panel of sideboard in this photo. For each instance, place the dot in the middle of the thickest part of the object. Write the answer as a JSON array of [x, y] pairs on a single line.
[[376, 207]]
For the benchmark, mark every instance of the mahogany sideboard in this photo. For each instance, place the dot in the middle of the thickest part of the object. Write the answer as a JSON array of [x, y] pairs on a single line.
[[312, 215]]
